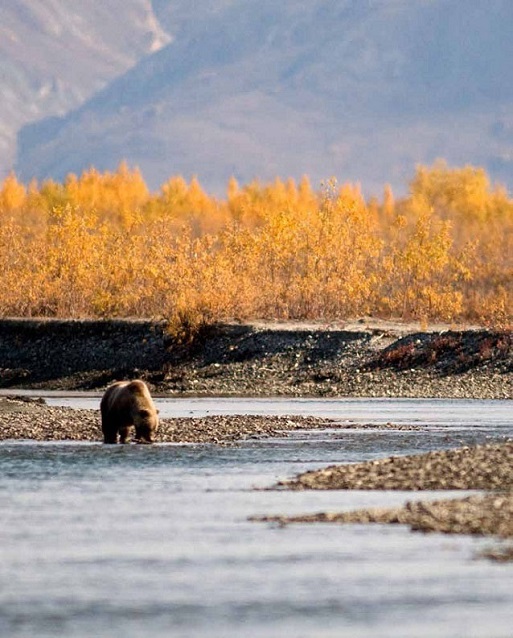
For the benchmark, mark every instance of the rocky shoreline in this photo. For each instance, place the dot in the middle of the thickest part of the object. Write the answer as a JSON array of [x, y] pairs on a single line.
[[483, 467], [486, 467], [365, 358], [31, 419], [477, 515]]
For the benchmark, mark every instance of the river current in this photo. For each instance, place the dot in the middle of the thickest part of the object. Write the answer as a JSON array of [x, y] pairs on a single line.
[[136, 541]]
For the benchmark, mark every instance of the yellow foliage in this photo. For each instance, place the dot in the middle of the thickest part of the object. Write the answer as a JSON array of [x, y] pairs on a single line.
[[12, 194], [100, 244]]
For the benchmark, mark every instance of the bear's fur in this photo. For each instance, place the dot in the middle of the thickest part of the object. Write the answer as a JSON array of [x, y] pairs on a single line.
[[126, 404]]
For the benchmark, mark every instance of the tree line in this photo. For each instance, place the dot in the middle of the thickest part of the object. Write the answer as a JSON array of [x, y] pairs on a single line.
[[103, 245]]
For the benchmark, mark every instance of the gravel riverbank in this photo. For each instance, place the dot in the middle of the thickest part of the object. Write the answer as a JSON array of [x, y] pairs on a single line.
[[361, 359], [365, 358], [479, 515], [483, 467], [21, 418]]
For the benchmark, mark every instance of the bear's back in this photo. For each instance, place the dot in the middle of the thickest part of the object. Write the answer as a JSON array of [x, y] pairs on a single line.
[[137, 387], [115, 396], [125, 394]]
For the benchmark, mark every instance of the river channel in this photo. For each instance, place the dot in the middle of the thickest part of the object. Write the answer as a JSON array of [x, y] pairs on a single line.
[[134, 541]]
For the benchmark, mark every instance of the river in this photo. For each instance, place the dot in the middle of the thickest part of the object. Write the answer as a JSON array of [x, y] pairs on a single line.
[[136, 541]]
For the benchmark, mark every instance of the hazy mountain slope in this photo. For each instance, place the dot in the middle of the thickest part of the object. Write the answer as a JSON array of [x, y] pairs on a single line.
[[360, 89], [54, 54], [175, 15]]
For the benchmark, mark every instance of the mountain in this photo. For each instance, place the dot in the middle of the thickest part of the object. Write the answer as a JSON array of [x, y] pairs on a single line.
[[359, 89], [54, 54]]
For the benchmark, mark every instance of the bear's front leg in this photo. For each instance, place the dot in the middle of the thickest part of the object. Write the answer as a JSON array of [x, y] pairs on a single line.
[[110, 438], [124, 434]]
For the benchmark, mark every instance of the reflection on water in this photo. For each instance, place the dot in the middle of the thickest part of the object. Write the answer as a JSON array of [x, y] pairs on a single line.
[[154, 540]]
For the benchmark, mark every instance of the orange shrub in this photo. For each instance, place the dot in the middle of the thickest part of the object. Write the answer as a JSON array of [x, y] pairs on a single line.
[[102, 245]]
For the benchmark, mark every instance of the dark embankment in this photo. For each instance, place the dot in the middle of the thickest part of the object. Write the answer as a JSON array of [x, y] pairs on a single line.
[[78, 354], [362, 359]]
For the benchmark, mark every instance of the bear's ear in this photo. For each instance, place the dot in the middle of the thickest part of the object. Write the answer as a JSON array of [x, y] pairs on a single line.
[[144, 413]]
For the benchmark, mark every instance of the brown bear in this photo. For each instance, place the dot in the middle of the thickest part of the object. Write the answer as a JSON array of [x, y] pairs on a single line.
[[126, 404]]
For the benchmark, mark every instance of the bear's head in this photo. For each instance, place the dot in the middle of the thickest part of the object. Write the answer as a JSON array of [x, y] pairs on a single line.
[[146, 423]]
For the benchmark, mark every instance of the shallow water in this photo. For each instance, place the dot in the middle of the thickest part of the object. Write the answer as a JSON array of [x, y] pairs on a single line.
[[154, 540]]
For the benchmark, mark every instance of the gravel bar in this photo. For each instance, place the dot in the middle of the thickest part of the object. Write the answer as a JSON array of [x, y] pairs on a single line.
[[479, 515], [483, 467], [486, 467], [22, 418]]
